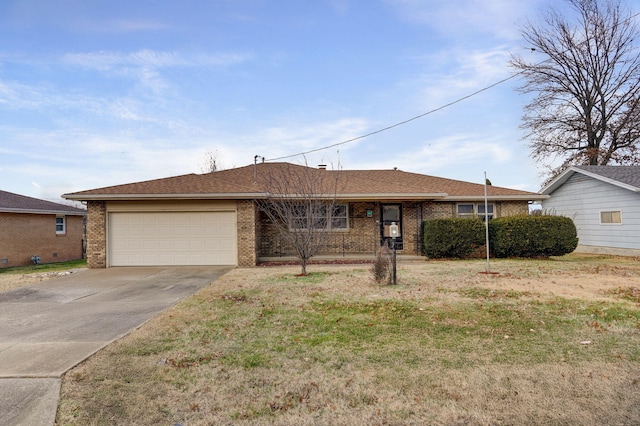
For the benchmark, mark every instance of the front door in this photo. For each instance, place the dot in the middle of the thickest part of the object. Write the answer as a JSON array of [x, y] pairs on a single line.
[[391, 213]]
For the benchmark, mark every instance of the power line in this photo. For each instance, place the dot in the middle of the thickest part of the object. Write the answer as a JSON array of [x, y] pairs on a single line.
[[401, 122], [384, 129]]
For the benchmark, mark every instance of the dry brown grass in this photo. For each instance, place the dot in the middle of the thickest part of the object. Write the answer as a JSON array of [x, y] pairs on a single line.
[[447, 346]]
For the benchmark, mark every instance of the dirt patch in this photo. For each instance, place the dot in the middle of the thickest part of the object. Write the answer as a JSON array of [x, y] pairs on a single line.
[[573, 276], [13, 281]]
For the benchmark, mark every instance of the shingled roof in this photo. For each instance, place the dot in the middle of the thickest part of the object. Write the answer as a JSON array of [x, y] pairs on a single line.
[[627, 177], [252, 182], [15, 203]]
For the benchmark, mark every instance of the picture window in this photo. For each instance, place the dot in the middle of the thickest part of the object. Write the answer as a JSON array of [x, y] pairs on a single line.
[[321, 217]]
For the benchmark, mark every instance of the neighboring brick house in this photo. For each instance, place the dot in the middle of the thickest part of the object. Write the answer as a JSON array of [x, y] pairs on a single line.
[[213, 218], [31, 227]]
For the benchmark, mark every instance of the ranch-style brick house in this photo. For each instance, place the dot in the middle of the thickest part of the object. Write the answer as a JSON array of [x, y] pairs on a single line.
[[31, 227], [214, 218]]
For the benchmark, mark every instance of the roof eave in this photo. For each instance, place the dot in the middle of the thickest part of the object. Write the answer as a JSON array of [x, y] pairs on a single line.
[[35, 211], [157, 197], [609, 180], [261, 195], [247, 196], [527, 197], [392, 196], [564, 176]]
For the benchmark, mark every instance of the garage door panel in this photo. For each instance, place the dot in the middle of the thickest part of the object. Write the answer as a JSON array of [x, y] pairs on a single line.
[[175, 238]]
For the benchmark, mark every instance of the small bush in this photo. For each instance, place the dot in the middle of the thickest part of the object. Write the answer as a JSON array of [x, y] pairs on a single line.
[[532, 236], [382, 266], [452, 238]]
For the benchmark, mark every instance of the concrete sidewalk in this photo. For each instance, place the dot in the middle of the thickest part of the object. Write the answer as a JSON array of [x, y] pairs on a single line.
[[48, 328]]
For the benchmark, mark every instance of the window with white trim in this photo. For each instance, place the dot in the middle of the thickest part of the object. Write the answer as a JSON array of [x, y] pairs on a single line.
[[470, 210], [61, 227], [611, 217], [320, 217]]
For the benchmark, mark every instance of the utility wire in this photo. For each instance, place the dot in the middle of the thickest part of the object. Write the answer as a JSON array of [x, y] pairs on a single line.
[[384, 129], [401, 122]]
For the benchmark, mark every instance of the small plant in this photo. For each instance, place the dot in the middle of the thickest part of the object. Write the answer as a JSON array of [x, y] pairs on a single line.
[[382, 267]]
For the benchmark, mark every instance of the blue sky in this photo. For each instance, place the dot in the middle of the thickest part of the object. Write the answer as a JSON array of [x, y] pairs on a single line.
[[97, 93]]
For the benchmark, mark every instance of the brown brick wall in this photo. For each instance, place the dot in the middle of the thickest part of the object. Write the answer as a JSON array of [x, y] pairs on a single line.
[[247, 231], [512, 208], [96, 234], [359, 239], [363, 236], [440, 210], [256, 237], [23, 235]]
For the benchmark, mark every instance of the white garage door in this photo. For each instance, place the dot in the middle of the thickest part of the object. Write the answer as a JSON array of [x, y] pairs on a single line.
[[172, 238]]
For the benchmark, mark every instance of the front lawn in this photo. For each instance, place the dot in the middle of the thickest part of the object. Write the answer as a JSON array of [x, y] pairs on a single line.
[[542, 342]]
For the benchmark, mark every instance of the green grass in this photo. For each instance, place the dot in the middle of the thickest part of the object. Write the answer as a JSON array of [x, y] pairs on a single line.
[[256, 328], [283, 349], [45, 267]]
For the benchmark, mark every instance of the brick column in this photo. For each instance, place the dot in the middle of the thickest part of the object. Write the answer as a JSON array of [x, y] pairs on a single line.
[[247, 254], [96, 234]]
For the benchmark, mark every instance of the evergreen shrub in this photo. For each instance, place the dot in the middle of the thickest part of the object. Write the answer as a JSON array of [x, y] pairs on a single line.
[[532, 236], [452, 238]]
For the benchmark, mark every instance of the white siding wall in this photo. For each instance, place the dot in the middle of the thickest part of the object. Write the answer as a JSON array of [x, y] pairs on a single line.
[[583, 198]]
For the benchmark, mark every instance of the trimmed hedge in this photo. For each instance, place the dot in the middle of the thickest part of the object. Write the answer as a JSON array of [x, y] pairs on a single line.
[[514, 236], [446, 238], [532, 236]]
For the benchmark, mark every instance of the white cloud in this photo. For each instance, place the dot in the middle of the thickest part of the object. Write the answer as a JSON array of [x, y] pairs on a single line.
[[457, 73], [145, 65], [300, 137], [442, 154], [125, 26], [105, 61], [459, 19]]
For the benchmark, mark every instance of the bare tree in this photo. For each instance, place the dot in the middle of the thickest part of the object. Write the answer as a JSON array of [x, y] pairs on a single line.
[[301, 206], [588, 86], [211, 162]]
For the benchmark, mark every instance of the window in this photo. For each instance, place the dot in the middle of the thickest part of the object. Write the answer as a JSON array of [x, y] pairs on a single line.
[[475, 210], [322, 217], [466, 210], [488, 214], [60, 225], [612, 217], [339, 217]]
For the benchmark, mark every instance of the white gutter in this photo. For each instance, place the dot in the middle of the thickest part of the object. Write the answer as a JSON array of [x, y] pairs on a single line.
[[442, 196], [33, 211], [127, 197], [250, 196], [497, 197]]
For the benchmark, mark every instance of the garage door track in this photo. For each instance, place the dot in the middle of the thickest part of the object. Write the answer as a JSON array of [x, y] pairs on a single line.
[[48, 328]]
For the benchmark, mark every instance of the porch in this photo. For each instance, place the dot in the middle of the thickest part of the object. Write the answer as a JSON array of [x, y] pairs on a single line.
[[339, 246]]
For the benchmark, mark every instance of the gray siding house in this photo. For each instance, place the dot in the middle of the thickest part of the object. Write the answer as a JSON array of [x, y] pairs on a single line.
[[604, 203]]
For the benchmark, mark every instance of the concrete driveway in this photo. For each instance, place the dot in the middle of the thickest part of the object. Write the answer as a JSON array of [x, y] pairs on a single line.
[[48, 328]]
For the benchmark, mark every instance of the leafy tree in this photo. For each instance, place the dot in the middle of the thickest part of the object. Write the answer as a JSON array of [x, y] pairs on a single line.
[[587, 86]]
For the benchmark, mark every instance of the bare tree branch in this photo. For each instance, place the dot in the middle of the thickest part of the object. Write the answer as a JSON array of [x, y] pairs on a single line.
[[301, 206], [587, 89]]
